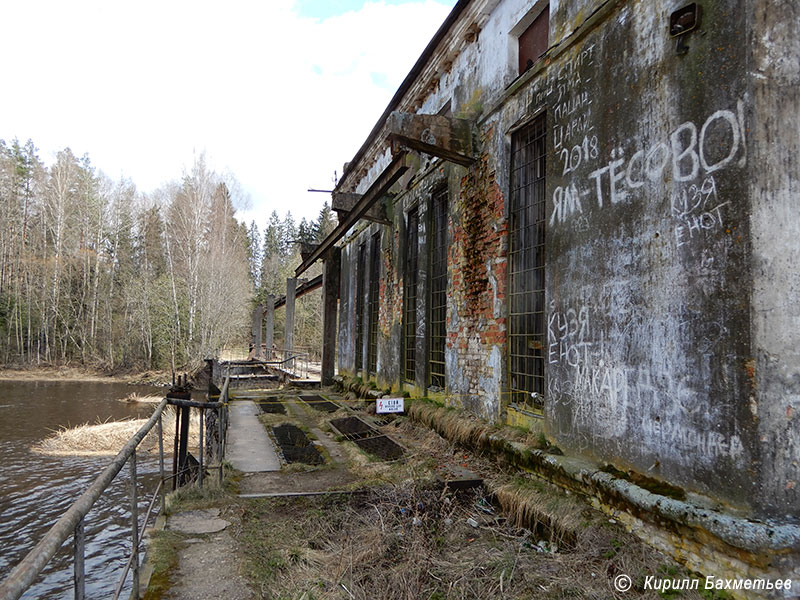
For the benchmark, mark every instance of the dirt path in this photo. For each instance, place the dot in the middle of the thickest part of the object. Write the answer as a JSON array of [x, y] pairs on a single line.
[[208, 562]]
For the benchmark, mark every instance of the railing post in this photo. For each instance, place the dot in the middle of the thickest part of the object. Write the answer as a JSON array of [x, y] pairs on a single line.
[[202, 448], [78, 578], [134, 529], [219, 437], [161, 463], [175, 449]]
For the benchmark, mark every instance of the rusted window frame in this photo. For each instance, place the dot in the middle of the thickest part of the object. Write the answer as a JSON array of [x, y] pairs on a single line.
[[533, 42]]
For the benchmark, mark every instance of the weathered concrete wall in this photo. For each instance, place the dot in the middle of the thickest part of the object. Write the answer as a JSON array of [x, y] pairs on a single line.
[[648, 215], [346, 342], [774, 191], [648, 339]]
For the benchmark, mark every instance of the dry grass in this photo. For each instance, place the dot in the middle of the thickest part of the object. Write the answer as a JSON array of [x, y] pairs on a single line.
[[133, 397], [451, 424], [414, 541], [106, 439]]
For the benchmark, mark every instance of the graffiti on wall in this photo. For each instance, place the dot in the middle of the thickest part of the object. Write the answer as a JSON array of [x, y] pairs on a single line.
[[685, 156]]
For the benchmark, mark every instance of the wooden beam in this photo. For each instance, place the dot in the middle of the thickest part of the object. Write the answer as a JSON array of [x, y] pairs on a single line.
[[454, 140], [377, 190]]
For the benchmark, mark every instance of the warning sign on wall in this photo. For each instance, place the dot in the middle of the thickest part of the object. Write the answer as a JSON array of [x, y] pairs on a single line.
[[389, 405]]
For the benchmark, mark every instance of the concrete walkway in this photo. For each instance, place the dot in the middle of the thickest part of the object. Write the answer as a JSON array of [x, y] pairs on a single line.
[[249, 448]]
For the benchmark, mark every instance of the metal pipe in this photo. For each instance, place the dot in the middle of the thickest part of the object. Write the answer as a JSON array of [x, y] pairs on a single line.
[[219, 441], [79, 580], [191, 403], [26, 572], [134, 528]]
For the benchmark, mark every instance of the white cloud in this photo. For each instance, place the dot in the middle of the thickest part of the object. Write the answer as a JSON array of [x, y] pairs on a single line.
[[279, 100]]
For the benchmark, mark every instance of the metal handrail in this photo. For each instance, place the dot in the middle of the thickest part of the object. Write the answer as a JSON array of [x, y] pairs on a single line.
[[71, 522]]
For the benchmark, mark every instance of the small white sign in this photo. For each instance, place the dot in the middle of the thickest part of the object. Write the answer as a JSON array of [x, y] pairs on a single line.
[[389, 405]]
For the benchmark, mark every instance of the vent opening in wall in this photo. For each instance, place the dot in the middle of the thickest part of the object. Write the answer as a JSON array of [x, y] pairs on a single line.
[[533, 41]]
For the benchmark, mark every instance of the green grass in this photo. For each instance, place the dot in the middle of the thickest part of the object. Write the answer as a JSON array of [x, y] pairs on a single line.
[[162, 553]]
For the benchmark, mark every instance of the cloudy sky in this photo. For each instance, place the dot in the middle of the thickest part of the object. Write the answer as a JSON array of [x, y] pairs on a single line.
[[280, 93]]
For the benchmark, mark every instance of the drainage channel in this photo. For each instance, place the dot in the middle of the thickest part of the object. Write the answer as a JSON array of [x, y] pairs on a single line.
[[295, 445], [368, 438], [271, 405], [319, 403]]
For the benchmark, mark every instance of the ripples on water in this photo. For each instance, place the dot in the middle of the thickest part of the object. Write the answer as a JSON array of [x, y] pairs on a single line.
[[38, 489]]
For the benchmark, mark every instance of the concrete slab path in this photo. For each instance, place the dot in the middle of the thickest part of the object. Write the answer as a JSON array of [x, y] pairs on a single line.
[[249, 448]]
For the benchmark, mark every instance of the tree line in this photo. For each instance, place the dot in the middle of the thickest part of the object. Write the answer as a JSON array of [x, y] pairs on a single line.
[[273, 255], [94, 272]]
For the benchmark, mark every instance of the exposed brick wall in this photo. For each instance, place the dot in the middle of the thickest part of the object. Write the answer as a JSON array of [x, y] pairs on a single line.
[[476, 317]]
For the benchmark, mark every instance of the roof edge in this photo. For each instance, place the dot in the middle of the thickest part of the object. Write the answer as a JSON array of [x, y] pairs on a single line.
[[409, 80]]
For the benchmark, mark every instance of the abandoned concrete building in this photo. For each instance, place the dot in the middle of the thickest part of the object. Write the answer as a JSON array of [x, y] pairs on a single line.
[[581, 216]]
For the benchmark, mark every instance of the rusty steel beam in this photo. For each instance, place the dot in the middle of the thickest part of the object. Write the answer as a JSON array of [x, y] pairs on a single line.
[[377, 190]]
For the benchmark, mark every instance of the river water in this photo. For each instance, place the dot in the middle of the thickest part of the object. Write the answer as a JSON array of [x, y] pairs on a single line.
[[36, 490]]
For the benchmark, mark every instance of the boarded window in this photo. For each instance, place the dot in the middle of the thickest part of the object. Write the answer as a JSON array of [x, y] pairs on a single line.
[[374, 293], [438, 288], [410, 300], [527, 332], [534, 40], [360, 275]]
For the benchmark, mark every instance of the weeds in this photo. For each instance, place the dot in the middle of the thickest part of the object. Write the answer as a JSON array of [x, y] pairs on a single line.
[[162, 553]]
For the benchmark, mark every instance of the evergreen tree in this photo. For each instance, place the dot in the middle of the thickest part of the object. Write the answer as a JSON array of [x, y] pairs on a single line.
[[326, 223], [254, 251], [305, 231]]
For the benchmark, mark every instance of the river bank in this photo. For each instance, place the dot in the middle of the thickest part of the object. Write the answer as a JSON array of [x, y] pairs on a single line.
[[78, 373]]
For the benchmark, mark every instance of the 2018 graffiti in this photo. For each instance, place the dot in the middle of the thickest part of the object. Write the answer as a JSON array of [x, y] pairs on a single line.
[[686, 153]]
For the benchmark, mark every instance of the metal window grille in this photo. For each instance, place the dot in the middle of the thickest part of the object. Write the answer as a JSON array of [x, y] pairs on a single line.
[[438, 287], [360, 273], [527, 326], [374, 289], [410, 301]]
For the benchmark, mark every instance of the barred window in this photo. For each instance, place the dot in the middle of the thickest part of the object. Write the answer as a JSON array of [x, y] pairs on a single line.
[[410, 300], [438, 288], [374, 293], [527, 327]]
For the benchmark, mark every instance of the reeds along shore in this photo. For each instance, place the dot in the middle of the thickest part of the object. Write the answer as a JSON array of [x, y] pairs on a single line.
[[101, 439]]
